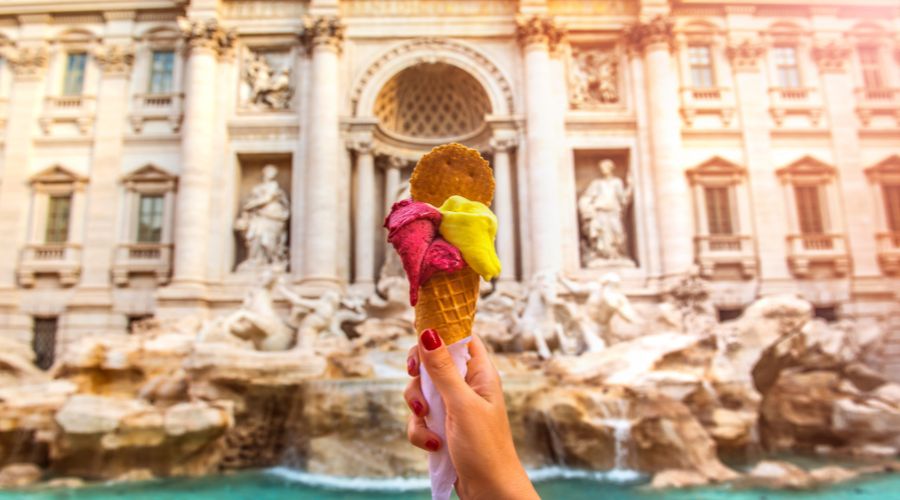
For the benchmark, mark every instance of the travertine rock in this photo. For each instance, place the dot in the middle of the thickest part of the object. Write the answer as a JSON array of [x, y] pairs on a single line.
[[19, 475], [677, 478], [776, 474]]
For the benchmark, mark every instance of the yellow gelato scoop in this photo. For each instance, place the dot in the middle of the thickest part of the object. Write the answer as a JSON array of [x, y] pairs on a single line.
[[471, 227]]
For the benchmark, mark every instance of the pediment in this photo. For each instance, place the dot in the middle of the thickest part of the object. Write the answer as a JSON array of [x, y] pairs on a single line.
[[807, 166], [887, 169], [718, 169], [149, 173], [57, 174]]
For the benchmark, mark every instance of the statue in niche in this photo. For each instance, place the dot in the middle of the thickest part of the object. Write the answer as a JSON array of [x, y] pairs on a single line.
[[268, 88], [263, 224], [593, 79], [604, 301], [600, 212]]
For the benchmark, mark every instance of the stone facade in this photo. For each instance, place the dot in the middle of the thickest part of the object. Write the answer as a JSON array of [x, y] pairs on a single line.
[[761, 144]]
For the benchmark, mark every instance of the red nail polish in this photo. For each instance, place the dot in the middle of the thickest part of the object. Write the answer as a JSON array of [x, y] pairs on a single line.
[[417, 407], [432, 444], [411, 367], [430, 339]]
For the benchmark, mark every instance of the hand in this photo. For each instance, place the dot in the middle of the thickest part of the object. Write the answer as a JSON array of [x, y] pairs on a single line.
[[478, 435]]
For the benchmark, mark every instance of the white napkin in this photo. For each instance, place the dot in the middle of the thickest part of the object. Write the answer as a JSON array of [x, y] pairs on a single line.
[[441, 469]]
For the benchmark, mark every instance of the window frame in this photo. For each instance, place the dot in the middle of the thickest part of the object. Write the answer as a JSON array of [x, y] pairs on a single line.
[[53, 233], [66, 91], [709, 67], [152, 71], [779, 67], [156, 215]]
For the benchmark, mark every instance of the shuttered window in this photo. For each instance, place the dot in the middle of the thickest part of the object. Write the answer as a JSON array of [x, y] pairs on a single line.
[[58, 211], [891, 194], [871, 71], [718, 210], [809, 209]]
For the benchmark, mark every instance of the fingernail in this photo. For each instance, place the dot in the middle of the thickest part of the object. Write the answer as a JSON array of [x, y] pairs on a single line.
[[417, 407], [432, 444], [430, 339], [411, 367]]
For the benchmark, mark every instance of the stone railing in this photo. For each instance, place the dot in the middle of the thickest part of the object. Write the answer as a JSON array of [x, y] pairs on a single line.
[[131, 259], [717, 253], [60, 259], [803, 101], [877, 102], [707, 101], [73, 109], [889, 252], [157, 108], [822, 250]]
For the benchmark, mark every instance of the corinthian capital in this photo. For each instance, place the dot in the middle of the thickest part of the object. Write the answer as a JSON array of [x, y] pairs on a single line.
[[656, 31], [831, 56], [115, 59], [745, 55], [206, 34], [539, 30], [27, 62], [326, 31]]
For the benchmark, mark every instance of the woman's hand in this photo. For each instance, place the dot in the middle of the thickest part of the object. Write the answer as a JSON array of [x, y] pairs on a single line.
[[478, 435]]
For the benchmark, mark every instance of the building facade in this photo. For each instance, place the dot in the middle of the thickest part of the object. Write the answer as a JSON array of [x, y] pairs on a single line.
[[755, 142]]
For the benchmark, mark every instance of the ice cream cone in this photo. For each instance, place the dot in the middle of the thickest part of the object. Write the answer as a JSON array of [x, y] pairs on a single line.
[[447, 300]]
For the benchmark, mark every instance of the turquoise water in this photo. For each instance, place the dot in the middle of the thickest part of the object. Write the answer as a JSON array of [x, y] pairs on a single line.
[[551, 484]]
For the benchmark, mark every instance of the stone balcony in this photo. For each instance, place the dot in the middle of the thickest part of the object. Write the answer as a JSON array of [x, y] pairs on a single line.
[[60, 259], [795, 101], [153, 259], [877, 102], [165, 108], [718, 254], [717, 101], [816, 252], [78, 110], [889, 252]]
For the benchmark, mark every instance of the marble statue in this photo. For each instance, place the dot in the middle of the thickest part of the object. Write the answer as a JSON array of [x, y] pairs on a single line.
[[600, 212], [592, 79], [268, 88], [322, 319], [540, 322], [604, 301], [256, 325], [263, 224]]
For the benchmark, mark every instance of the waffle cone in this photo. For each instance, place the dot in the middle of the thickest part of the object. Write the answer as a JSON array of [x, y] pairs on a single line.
[[447, 304], [447, 300]]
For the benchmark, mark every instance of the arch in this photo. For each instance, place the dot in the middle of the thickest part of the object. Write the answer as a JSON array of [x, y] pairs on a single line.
[[454, 53], [700, 26], [160, 33], [76, 36]]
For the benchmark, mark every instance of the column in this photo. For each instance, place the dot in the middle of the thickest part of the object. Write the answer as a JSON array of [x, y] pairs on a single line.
[[676, 231], [536, 34], [503, 206], [769, 212], [860, 216], [204, 39], [323, 36], [392, 176], [28, 64], [364, 213]]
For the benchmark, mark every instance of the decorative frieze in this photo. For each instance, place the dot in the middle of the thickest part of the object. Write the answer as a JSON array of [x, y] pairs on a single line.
[[655, 32], [115, 59], [831, 57], [27, 62], [323, 31], [206, 34], [745, 55], [363, 145], [503, 144], [539, 30], [593, 78]]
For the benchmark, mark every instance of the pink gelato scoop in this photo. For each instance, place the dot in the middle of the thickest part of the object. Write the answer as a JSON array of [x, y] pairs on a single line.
[[413, 230]]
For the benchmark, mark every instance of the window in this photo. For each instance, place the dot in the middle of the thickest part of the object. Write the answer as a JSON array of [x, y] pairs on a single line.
[[787, 71], [150, 218], [891, 193], [43, 341], [700, 60], [57, 228], [729, 313], [73, 84], [871, 71], [718, 210], [161, 68], [809, 209]]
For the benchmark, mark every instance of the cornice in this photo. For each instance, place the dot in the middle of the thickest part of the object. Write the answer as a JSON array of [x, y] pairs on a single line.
[[20, 7]]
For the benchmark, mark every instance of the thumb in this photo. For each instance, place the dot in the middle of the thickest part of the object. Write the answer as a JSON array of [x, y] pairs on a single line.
[[436, 359]]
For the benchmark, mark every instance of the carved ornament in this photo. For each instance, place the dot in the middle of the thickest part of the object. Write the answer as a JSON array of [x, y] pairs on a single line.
[[831, 57], [207, 34], [27, 62], [657, 31], [115, 59], [745, 55], [593, 78], [322, 31], [539, 30]]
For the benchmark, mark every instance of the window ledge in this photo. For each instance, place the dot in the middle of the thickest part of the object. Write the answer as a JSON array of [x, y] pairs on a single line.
[[826, 251], [75, 109], [804, 101], [872, 102], [157, 108], [717, 253], [889, 252], [60, 259], [710, 101], [132, 259]]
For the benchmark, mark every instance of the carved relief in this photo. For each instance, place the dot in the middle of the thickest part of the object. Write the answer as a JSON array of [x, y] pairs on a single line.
[[745, 55], [593, 78], [27, 62], [539, 30], [657, 31], [267, 80], [327, 31], [115, 59], [206, 34], [831, 57]]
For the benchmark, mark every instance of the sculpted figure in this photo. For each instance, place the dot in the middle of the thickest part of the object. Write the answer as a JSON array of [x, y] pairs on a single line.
[[322, 317], [603, 302], [267, 88], [263, 224], [600, 212], [592, 79], [539, 322]]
